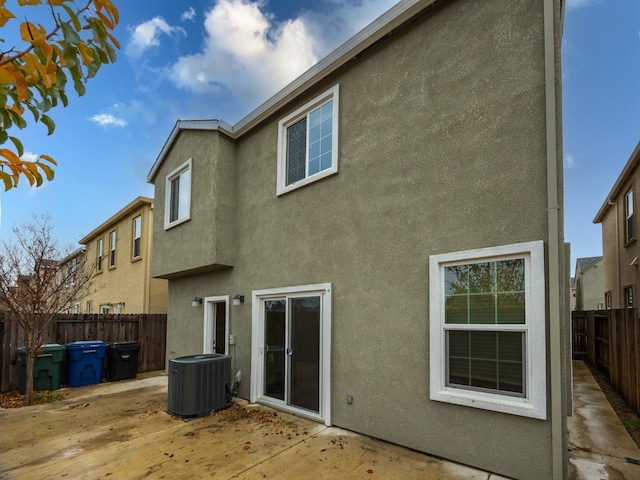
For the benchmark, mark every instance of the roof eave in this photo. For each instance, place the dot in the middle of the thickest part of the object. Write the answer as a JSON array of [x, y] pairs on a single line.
[[137, 203], [379, 28], [622, 179]]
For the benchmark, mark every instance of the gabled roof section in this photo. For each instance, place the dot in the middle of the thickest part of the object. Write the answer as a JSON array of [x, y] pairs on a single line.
[[586, 263], [384, 25], [627, 171], [137, 203]]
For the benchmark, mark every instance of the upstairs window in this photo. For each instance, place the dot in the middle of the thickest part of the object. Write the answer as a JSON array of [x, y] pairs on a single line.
[[628, 214], [628, 297], [137, 231], [178, 196], [487, 324], [99, 255], [308, 143], [112, 249]]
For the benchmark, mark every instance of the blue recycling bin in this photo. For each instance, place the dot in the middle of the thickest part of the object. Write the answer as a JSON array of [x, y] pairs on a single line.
[[85, 362]]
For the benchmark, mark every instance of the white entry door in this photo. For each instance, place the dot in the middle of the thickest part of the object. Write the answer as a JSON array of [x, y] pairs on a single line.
[[216, 325]]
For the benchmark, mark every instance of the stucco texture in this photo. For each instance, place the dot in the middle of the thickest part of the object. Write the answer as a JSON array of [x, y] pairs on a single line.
[[441, 148]]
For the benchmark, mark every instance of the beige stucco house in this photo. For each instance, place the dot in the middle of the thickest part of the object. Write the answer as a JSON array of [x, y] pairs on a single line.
[[589, 294], [380, 245], [119, 250], [620, 247]]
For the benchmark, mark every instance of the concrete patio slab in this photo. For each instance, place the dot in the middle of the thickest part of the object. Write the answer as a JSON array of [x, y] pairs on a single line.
[[121, 430], [600, 448]]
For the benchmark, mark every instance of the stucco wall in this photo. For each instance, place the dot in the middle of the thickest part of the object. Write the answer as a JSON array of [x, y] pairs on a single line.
[[129, 281], [206, 241], [441, 148], [619, 268]]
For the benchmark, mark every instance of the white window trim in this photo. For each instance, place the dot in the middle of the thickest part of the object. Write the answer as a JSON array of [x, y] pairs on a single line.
[[534, 404], [167, 195], [285, 123], [139, 237], [100, 252], [113, 243], [257, 349], [209, 311]]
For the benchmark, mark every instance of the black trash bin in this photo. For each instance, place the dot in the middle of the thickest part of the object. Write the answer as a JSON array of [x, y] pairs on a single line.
[[122, 360]]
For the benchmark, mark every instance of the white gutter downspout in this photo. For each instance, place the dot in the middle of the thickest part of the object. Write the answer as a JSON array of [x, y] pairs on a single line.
[[555, 356]]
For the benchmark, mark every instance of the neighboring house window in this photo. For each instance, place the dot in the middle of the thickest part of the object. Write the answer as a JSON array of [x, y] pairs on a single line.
[[308, 143], [104, 309], [628, 297], [71, 273], [99, 259], [112, 249], [89, 307], [178, 195], [487, 329], [600, 306], [76, 308], [607, 300], [628, 213], [137, 230]]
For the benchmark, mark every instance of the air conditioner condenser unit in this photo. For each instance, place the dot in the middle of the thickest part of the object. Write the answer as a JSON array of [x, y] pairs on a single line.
[[199, 385]]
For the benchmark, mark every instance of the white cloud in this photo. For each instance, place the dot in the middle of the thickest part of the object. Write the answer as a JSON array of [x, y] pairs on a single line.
[[574, 4], [188, 14], [246, 52], [249, 54], [147, 35], [29, 157], [569, 161], [106, 120]]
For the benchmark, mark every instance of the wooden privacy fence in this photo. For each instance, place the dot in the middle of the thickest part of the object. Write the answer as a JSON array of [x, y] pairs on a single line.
[[610, 341], [148, 329]]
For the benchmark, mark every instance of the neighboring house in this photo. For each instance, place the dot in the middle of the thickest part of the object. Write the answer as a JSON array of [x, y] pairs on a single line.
[[68, 271], [620, 246], [120, 252], [588, 284], [390, 226], [572, 283]]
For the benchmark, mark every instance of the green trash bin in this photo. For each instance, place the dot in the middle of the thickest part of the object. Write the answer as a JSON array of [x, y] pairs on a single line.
[[47, 368]]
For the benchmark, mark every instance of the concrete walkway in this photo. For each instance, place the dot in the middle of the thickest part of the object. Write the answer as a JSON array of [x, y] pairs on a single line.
[[599, 446]]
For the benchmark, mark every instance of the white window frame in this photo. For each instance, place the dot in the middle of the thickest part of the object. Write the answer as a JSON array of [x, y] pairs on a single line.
[[257, 346], [286, 122], [112, 248], [629, 224], [178, 172], [136, 236], [100, 251], [534, 403]]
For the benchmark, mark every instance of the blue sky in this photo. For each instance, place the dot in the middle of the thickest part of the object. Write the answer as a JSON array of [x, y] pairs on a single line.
[[206, 59]]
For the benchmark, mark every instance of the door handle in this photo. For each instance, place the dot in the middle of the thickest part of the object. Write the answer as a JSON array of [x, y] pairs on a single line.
[[290, 351]]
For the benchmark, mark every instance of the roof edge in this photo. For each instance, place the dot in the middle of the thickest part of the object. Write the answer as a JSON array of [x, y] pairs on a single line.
[[186, 125], [633, 161], [376, 30], [139, 201]]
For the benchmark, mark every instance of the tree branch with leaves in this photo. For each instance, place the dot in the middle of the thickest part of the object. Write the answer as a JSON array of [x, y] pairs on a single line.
[[34, 74]]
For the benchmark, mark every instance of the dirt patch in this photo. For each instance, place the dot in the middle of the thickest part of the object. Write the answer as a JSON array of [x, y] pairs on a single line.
[[627, 416], [16, 400]]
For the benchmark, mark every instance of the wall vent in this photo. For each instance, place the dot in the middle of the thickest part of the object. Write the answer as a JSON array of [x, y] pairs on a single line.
[[198, 384]]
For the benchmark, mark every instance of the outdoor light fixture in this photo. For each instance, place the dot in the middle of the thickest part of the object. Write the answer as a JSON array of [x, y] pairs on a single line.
[[196, 302], [238, 299]]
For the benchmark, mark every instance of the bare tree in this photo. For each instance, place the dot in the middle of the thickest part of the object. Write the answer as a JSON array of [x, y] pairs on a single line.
[[38, 280]]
